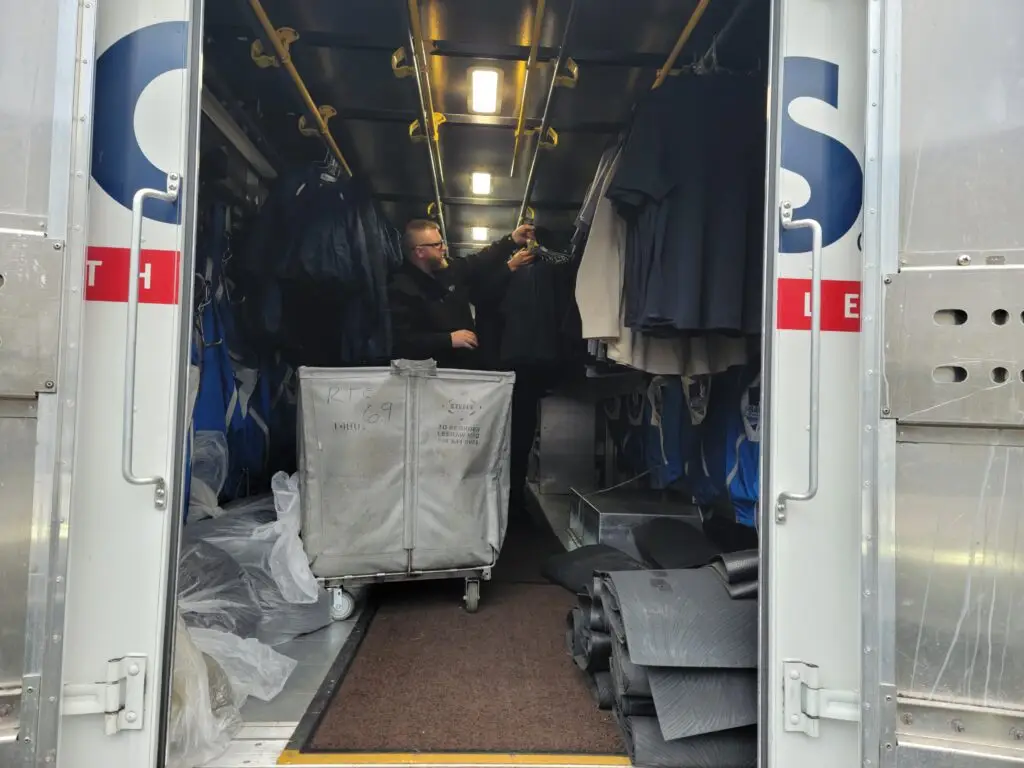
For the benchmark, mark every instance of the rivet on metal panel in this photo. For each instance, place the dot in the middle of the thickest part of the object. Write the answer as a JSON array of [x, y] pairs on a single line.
[[56, 638], [888, 281], [49, 385], [963, 259]]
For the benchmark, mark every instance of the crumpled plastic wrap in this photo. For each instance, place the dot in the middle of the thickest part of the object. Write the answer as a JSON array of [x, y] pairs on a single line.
[[204, 716], [214, 591], [262, 535]]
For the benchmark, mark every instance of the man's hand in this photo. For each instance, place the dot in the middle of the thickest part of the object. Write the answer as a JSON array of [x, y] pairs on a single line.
[[520, 259], [524, 233], [464, 340]]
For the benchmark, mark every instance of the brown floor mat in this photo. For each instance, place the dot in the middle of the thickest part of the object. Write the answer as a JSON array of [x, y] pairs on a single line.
[[429, 677]]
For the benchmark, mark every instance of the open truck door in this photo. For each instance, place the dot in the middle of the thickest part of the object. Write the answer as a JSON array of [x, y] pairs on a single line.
[[91, 377], [810, 510]]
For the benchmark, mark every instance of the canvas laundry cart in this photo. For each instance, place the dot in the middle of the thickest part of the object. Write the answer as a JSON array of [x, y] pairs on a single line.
[[404, 474]]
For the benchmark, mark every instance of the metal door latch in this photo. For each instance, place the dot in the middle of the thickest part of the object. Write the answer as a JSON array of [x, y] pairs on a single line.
[[806, 703], [120, 698]]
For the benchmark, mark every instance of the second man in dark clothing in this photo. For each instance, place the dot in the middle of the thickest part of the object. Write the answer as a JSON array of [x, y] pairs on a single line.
[[431, 295]]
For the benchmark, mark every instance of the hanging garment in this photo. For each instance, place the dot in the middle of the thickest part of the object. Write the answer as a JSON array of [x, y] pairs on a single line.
[[731, 446], [686, 187]]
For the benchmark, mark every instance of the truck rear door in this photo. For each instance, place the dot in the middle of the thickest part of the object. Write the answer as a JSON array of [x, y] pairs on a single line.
[[46, 72], [100, 115], [810, 513]]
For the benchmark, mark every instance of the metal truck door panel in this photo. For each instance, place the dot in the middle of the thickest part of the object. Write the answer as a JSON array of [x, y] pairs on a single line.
[[945, 405], [45, 125], [810, 517], [128, 460]]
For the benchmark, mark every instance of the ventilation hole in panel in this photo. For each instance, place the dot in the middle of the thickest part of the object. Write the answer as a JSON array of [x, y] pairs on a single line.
[[949, 374], [1000, 375], [1000, 317], [952, 317]]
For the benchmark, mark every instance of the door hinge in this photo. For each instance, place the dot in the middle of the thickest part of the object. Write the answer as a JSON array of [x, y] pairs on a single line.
[[120, 698], [806, 703]]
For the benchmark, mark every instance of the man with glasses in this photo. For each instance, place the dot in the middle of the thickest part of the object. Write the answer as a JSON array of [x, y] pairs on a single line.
[[431, 295]]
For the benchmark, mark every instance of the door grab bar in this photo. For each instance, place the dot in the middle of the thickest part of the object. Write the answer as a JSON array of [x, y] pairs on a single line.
[[813, 430], [131, 351]]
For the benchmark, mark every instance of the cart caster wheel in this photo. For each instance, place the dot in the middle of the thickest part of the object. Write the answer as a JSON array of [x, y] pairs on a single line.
[[472, 598], [343, 605]]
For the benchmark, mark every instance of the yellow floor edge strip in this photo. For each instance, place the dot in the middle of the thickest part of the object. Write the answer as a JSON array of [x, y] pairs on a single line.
[[294, 757]]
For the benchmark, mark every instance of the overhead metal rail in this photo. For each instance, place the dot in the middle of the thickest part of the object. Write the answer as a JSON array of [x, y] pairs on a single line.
[[545, 122], [531, 64], [284, 57], [430, 119], [684, 36]]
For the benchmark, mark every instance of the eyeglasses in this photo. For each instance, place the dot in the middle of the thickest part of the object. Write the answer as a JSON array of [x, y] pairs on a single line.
[[437, 244]]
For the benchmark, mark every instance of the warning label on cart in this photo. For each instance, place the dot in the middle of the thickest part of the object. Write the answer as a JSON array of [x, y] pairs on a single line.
[[840, 305], [458, 434]]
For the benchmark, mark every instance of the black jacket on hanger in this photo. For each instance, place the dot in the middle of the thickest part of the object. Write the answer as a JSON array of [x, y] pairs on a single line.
[[427, 308]]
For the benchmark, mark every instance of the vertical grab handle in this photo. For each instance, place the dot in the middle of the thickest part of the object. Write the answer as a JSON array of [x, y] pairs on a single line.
[[170, 194], [788, 222]]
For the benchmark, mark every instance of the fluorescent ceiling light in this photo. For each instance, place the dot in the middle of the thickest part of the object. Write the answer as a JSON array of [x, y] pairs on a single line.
[[484, 90], [481, 183], [479, 234]]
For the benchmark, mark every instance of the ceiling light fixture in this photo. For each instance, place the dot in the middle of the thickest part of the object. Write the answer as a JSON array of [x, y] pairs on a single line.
[[479, 234], [481, 183], [484, 85]]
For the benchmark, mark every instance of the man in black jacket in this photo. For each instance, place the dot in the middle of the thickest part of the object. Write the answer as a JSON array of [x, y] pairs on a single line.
[[430, 296]]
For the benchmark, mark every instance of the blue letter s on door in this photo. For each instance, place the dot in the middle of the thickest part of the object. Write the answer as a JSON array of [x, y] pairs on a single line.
[[830, 169]]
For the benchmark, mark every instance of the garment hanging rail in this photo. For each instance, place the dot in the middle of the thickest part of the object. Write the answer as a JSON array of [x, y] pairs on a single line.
[[419, 61], [684, 36], [531, 63], [286, 61], [725, 31], [545, 117]]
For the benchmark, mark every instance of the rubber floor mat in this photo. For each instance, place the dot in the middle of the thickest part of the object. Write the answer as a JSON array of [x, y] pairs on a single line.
[[683, 618], [692, 702], [429, 677], [575, 570], [739, 572], [667, 542], [627, 677], [726, 749]]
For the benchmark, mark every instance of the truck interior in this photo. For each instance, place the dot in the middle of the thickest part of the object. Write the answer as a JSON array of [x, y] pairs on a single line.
[[477, 116]]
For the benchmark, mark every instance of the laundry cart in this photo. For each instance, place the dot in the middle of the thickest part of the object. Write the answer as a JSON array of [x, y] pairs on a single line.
[[404, 474]]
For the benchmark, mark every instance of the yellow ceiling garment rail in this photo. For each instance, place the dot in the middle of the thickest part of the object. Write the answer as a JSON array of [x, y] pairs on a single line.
[[286, 61], [531, 63], [684, 36]]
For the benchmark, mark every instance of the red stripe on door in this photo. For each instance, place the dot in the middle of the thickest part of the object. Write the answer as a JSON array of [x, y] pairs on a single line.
[[106, 275], [840, 305]]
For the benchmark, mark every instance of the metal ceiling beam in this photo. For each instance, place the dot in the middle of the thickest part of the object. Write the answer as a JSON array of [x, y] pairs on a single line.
[[531, 64], [418, 52], [684, 36], [545, 120], [480, 202], [456, 49], [215, 83], [271, 37]]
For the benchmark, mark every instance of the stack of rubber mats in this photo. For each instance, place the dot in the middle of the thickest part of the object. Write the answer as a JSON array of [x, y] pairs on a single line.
[[672, 652]]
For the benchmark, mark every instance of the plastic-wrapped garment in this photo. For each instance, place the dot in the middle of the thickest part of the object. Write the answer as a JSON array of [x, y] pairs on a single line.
[[267, 547], [214, 591], [204, 716], [209, 471], [253, 668]]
